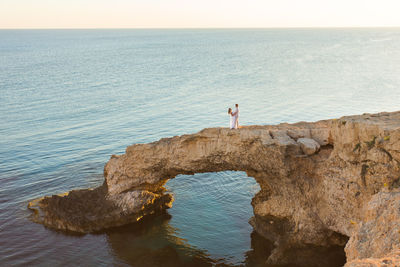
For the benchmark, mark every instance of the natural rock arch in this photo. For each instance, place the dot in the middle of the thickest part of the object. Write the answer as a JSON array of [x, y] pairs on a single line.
[[307, 197]]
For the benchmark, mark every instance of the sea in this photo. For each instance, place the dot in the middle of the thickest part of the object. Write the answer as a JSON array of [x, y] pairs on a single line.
[[69, 99]]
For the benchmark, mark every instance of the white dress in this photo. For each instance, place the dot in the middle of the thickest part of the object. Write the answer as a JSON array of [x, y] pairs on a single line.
[[232, 121]]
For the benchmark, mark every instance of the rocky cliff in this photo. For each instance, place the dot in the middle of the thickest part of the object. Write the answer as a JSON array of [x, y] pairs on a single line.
[[327, 183]]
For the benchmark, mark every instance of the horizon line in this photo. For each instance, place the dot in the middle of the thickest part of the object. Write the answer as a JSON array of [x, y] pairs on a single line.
[[204, 28]]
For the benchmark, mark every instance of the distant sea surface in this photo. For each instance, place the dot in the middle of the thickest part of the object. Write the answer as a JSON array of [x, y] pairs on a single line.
[[69, 99]]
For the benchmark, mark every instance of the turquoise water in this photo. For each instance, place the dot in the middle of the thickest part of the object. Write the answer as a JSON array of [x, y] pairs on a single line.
[[71, 98]]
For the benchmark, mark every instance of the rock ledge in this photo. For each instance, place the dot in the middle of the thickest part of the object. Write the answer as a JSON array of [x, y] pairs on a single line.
[[326, 183]]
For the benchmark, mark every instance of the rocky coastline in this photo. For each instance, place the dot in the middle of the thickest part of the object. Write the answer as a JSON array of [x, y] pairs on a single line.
[[327, 183]]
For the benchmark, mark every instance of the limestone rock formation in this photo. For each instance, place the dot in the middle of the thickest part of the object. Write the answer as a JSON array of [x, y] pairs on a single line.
[[324, 184], [381, 220], [308, 146], [390, 260]]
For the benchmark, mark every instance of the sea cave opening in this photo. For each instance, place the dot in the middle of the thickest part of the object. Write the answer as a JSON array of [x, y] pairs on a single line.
[[211, 212]]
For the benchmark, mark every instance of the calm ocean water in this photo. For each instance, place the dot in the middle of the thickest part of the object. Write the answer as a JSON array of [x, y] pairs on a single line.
[[71, 98]]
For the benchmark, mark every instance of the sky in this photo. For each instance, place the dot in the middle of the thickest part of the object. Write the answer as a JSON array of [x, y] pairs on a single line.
[[198, 13]]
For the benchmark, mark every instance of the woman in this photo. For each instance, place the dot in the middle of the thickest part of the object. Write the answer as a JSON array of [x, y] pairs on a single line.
[[232, 122]]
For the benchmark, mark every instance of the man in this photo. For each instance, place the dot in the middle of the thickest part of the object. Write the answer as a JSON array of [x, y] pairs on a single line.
[[236, 116]]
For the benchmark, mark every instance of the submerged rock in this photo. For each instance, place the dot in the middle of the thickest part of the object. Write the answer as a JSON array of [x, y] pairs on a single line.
[[345, 193]]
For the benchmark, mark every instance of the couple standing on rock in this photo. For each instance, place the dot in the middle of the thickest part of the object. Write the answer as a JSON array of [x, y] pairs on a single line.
[[234, 117]]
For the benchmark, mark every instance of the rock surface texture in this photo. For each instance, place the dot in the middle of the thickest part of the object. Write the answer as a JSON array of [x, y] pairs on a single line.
[[327, 183]]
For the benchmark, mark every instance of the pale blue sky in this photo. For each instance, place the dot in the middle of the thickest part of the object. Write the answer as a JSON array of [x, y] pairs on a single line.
[[197, 14]]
